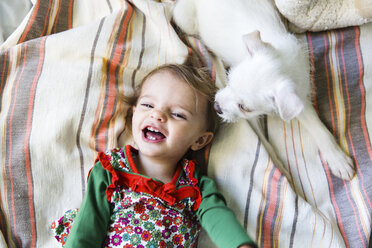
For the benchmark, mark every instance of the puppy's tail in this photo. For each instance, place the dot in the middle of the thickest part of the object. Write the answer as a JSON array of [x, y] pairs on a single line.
[[185, 16]]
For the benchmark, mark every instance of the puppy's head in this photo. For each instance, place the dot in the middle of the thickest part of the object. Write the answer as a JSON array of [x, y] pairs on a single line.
[[258, 85]]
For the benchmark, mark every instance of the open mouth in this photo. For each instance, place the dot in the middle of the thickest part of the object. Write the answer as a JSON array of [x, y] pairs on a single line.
[[153, 134]]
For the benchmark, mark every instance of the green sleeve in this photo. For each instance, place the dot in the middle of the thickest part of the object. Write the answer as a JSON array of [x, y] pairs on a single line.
[[217, 219], [90, 226]]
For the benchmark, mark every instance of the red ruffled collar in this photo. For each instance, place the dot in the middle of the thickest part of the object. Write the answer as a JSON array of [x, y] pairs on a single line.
[[139, 183]]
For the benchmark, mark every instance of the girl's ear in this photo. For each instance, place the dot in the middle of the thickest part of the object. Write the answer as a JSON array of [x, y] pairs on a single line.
[[202, 141]]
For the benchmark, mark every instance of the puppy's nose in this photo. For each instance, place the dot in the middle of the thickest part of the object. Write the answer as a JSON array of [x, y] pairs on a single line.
[[217, 108]]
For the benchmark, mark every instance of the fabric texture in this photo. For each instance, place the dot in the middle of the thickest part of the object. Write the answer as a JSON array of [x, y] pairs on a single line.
[[321, 15], [59, 73]]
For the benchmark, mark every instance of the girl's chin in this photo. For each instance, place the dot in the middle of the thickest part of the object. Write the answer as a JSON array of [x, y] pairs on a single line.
[[150, 148]]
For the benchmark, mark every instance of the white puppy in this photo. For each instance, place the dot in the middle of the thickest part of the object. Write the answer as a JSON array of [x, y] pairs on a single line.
[[269, 68]]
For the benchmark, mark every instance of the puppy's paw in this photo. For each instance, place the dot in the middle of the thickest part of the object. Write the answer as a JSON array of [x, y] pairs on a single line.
[[340, 164]]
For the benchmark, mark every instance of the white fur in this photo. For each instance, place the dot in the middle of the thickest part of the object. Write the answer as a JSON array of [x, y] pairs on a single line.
[[269, 72]]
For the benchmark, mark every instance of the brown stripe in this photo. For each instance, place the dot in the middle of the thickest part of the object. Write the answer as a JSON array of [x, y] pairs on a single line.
[[273, 183], [18, 160], [63, 19], [109, 4], [110, 87], [350, 73], [38, 22], [355, 93], [250, 189], [294, 223], [143, 39], [30, 112], [87, 93], [321, 74], [4, 67], [14, 198]]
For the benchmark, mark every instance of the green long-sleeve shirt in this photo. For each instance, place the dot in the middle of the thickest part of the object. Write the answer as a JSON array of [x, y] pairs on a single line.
[[91, 225]]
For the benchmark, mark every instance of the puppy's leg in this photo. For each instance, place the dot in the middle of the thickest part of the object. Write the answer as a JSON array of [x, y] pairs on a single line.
[[185, 16], [339, 163], [258, 129]]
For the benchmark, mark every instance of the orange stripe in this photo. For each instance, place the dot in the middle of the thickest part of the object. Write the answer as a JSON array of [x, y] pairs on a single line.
[[338, 99], [263, 202], [95, 136], [70, 8], [279, 218], [213, 76], [359, 172], [3, 71], [3, 76], [199, 46], [47, 16], [4, 178], [10, 144], [361, 73], [207, 56], [270, 214], [340, 134], [32, 19], [296, 159], [112, 142], [189, 50], [27, 139], [112, 78], [346, 83], [57, 16], [305, 164], [334, 203], [328, 84], [30, 22], [355, 214]]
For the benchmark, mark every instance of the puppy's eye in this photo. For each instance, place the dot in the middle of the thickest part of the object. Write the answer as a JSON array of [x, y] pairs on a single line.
[[244, 108]]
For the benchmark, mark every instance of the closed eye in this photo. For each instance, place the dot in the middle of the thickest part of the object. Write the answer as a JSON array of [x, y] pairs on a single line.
[[146, 105], [179, 116]]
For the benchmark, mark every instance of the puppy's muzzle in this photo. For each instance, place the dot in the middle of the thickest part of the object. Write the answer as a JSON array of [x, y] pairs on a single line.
[[217, 108]]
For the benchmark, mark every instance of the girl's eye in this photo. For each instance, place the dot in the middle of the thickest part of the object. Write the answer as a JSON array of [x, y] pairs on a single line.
[[180, 116], [146, 105]]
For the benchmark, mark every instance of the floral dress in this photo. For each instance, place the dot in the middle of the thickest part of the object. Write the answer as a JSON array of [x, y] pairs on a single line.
[[122, 208], [145, 212]]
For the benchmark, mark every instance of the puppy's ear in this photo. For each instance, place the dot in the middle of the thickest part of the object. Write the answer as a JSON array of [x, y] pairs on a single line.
[[253, 42], [288, 104]]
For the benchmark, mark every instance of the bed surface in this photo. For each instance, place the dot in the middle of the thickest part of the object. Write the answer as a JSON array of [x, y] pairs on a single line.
[[60, 67]]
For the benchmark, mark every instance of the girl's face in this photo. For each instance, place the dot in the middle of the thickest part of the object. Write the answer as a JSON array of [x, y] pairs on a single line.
[[169, 118]]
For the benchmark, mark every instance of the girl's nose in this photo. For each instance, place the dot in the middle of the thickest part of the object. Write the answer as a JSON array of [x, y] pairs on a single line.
[[158, 115]]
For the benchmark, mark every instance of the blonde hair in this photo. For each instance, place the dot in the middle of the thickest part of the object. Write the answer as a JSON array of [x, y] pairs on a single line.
[[197, 78]]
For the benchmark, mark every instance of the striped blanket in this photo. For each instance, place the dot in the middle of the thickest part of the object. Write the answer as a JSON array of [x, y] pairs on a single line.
[[59, 74]]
